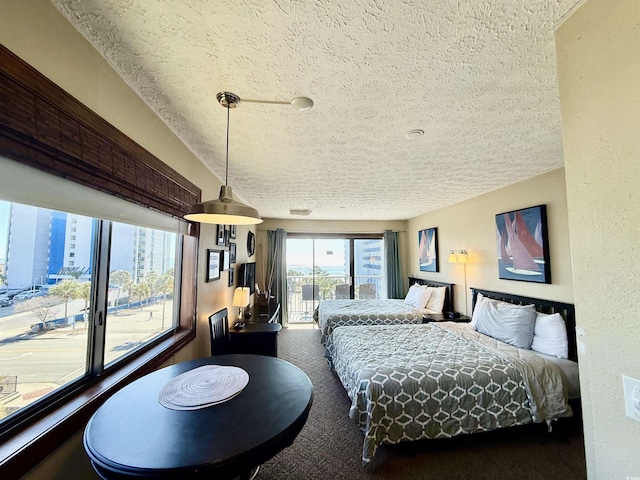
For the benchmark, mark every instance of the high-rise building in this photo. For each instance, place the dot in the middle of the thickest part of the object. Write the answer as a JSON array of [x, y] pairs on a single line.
[[45, 246]]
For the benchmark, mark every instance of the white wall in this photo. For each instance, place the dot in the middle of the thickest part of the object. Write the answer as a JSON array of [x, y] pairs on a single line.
[[470, 225], [598, 51]]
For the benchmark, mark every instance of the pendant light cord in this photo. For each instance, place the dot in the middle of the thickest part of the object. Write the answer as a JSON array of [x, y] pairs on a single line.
[[226, 171]]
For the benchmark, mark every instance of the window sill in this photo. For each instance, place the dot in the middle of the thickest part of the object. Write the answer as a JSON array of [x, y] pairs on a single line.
[[28, 444]]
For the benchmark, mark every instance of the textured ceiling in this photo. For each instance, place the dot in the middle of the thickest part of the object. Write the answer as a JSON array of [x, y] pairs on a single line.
[[479, 77]]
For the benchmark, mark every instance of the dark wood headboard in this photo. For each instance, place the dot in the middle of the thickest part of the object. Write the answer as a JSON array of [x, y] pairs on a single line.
[[448, 297], [566, 310]]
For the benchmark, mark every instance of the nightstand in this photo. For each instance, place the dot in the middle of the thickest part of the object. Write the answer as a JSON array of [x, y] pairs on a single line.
[[255, 338], [441, 317]]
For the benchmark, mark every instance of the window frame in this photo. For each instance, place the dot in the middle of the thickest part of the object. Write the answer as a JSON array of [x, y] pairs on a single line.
[[36, 118]]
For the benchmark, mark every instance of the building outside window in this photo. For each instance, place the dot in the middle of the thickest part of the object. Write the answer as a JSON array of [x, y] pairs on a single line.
[[49, 292]]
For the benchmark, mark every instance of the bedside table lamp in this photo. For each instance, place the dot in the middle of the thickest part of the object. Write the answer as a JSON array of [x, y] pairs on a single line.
[[460, 256], [241, 299]]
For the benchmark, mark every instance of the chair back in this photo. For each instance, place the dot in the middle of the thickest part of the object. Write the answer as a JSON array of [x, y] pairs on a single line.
[[219, 332], [275, 317], [310, 292], [343, 290], [366, 290]]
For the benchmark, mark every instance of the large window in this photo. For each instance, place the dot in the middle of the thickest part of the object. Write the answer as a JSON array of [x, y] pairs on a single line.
[[77, 295], [321, 268]]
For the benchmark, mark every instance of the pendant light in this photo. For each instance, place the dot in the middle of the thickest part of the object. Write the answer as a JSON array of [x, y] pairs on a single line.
[[224, 210]]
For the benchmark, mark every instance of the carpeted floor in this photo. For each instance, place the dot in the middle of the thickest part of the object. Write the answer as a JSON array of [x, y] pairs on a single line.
[[330, 444]]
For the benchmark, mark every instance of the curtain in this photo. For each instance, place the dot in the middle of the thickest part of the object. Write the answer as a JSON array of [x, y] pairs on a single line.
[[392, 264], [277, 269]]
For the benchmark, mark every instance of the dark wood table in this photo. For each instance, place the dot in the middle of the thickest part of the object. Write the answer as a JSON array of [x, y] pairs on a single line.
[[133, 436]]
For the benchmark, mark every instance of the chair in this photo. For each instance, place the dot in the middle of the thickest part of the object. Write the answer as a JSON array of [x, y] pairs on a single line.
[[219, 332], [343, 290], [310, 293], [366, 290], [275, 317]]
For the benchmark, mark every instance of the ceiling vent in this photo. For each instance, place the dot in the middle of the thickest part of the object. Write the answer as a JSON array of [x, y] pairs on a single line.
[[302, 211]]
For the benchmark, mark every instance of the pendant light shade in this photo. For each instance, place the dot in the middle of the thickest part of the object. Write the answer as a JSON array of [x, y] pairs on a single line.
[[224, 210]]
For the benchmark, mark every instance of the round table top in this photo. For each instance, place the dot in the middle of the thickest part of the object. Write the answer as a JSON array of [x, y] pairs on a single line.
[[133, 435]]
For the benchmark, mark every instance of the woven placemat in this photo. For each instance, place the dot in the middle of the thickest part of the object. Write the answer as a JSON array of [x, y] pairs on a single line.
[[202, 387]]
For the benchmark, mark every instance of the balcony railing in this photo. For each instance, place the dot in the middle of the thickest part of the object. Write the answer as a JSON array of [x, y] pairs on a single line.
[[305, 292]]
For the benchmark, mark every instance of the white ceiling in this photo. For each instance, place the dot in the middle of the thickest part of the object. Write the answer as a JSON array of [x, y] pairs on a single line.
[[479, 77]]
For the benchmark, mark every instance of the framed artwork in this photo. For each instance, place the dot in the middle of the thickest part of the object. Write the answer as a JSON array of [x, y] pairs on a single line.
[[225, 260], [428, 249], [233, 231], [231, 278], [227, 233], [214, 258], [220, 237], [251, 243], [523, 245], [232, 252]]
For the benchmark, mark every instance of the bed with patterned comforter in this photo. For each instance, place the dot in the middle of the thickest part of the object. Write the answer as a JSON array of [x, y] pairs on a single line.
[[331, 314], [413, 382]]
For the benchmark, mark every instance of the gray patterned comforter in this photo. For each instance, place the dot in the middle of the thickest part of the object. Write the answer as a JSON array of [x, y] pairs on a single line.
[[331, 314], [412, 382]]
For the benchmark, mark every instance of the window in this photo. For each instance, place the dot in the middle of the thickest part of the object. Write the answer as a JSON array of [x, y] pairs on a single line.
[[51, 336], [339, 267]]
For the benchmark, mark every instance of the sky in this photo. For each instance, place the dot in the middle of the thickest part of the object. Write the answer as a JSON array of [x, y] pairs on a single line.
[[329, 252]]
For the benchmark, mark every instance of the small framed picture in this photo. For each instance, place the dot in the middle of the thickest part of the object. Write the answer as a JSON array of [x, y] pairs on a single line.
[[225, 261], [232, 252], [231, 277], [233, 231], [227, 233], [213, 264], [220, 240]]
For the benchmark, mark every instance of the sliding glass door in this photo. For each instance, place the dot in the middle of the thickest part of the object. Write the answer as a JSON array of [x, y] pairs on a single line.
[[321, 268]]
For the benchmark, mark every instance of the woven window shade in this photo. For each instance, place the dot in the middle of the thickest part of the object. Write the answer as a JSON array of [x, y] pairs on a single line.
[[44, 127]]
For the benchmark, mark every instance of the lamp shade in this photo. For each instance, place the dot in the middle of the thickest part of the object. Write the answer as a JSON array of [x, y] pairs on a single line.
[[458, 256], [241, 297], [223, 211]]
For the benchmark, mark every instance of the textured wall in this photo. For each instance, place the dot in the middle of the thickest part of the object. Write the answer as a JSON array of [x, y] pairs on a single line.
[[470, 225], [599, 73]]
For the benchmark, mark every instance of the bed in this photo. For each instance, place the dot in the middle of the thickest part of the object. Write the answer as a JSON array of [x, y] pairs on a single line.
[[332, 314], [439, 380]]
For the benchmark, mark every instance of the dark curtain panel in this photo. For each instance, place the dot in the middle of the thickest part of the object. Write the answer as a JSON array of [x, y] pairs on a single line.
[[392, 264], [277, 269]]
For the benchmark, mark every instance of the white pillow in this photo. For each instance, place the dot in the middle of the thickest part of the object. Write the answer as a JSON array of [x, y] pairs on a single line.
[[436, 301], [512, 324], [417, 296], [550, 335], [476, 310]]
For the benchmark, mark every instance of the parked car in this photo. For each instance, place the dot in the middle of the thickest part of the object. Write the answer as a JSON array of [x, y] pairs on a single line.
[[24, 295], [5, 302]]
